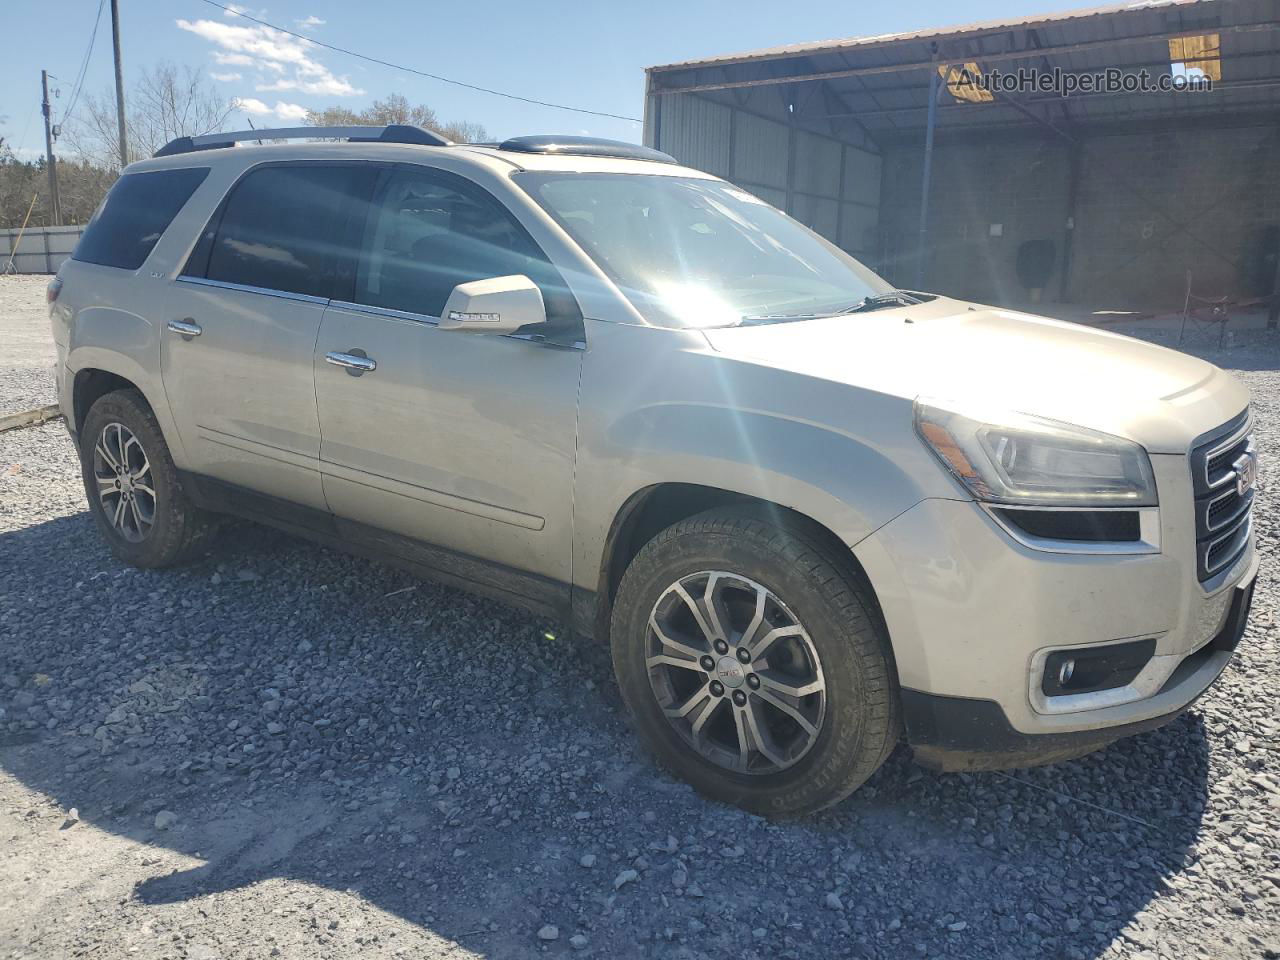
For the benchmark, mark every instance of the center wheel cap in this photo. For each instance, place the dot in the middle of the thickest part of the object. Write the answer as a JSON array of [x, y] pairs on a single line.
[[729, 672]]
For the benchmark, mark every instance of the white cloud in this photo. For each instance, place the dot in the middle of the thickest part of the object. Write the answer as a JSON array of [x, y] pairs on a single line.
[[311, 21], [234, 10], [289, 112], [251, 105], [227, 77], [272, 51], [325, 86]]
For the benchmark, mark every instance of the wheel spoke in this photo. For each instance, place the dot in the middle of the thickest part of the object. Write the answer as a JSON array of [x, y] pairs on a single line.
[[699, 613], [101, 449], [744, 738], [713, 608], [119, 451], [695, 700], [668, 641], [117, 520], [762, 739], [749, 635], [762, 645], [779, 704], [144, 488], [106, 486], [664, 660], [785, 686], [703, 715], [137, 514]]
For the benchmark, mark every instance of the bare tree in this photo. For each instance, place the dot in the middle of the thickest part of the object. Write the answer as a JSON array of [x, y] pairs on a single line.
[[164, 103], [81, 185], [397, 109]]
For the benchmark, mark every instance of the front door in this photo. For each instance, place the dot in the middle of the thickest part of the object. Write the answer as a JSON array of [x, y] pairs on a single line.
[[465, 441], [242, 325]]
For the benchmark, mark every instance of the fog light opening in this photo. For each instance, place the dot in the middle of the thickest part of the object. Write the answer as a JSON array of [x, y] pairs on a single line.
[[1101, 667]]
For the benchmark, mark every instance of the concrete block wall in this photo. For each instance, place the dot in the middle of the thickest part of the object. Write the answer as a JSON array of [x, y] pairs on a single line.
[[1149, 205]]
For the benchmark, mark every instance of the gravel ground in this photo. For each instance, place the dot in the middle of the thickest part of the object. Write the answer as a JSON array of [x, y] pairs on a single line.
[[284, 751], [26, 352]]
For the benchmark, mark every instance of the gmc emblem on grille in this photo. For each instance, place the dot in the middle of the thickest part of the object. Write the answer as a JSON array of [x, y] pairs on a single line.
[[1246, 468]]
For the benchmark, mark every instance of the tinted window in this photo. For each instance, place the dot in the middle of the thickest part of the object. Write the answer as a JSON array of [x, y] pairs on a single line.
[[428, 232], [284, 228], [138, 209]]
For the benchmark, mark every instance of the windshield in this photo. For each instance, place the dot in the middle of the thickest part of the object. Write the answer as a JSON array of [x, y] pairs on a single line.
[[701, 253]]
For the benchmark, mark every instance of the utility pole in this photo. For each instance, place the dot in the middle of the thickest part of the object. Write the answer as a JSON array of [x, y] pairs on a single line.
[[50, 163], [115, 44]]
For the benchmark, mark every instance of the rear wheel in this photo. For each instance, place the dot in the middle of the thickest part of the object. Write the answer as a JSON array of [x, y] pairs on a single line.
[[750, 656], [132, 484]]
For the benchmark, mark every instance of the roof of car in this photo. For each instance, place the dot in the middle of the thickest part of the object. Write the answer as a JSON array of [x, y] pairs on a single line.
[[408, 144]]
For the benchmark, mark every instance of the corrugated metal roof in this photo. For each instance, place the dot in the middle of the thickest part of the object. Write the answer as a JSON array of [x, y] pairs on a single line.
[[882, 83], [983, 26]]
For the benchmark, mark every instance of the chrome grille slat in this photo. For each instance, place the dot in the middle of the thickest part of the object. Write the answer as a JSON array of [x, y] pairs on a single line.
[[1223, 515]]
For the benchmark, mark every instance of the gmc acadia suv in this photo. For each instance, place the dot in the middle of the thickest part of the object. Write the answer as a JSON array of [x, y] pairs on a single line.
[[809, 512]]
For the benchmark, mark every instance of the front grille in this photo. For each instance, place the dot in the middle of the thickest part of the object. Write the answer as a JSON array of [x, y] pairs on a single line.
[[1222, 511]]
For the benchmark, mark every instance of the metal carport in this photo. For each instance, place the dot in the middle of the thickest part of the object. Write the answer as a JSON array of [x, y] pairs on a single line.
[[879, 144]]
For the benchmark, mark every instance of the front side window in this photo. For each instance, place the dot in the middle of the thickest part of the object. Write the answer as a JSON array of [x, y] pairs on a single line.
[[285, 228], [690, 252], [429, 231], [135, 213]]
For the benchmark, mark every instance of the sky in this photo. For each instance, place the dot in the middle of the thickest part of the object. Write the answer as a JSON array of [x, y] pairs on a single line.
[[586, 55]]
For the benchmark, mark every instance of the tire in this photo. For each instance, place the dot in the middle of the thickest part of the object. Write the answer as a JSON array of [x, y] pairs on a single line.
[[840, 645], [151, 530]]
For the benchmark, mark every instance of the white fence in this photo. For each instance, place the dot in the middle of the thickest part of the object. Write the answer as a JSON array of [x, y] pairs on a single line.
[[41, 249]]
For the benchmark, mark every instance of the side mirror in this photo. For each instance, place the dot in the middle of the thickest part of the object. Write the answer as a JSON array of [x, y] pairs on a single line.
[[497, 305]]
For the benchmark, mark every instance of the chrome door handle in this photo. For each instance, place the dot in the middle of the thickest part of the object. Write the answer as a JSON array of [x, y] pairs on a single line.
[[184, 327], [351, 362]]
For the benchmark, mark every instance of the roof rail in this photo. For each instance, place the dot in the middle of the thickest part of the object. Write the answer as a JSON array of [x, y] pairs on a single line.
[[584, 147], [391, 133]]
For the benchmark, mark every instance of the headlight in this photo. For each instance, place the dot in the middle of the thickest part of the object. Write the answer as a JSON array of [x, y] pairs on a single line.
[[1018, 458]]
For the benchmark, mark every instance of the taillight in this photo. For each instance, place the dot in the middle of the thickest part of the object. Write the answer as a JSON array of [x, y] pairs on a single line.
[[51, 292]]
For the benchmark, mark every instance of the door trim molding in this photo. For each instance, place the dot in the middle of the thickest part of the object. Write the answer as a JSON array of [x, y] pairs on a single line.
[[437, 498], [245, 288]]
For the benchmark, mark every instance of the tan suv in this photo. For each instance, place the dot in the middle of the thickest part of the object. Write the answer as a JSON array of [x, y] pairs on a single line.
[[809, 512]]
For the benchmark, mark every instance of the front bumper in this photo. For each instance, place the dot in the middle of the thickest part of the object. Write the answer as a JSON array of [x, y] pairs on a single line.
[[959, 733], [974, 616]]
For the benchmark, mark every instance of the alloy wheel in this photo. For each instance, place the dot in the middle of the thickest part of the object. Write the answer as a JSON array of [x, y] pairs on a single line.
[[735, 672], [125, 487]]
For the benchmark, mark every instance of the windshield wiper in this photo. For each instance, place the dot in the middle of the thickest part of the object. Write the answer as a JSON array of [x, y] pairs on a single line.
[[878, 301]]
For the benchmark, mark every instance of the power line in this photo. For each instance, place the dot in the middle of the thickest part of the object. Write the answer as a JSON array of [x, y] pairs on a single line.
[[84, 64], [420, 73]]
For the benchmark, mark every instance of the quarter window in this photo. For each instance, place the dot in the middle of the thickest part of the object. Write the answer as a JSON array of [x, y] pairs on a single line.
[[429, 231], [284, 228], [135, 213]]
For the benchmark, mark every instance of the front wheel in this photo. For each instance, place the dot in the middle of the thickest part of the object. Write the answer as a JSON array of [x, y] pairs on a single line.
[[752, 661]]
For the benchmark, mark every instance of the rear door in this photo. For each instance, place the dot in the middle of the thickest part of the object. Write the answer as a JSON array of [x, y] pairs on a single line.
[[461, 440], [243, 322]]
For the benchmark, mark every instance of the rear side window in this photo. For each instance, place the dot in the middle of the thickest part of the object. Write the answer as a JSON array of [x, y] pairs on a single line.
[[284, 228], [138, 209]]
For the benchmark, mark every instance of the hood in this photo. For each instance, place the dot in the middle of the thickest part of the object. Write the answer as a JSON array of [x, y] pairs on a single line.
[[961, 353]]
